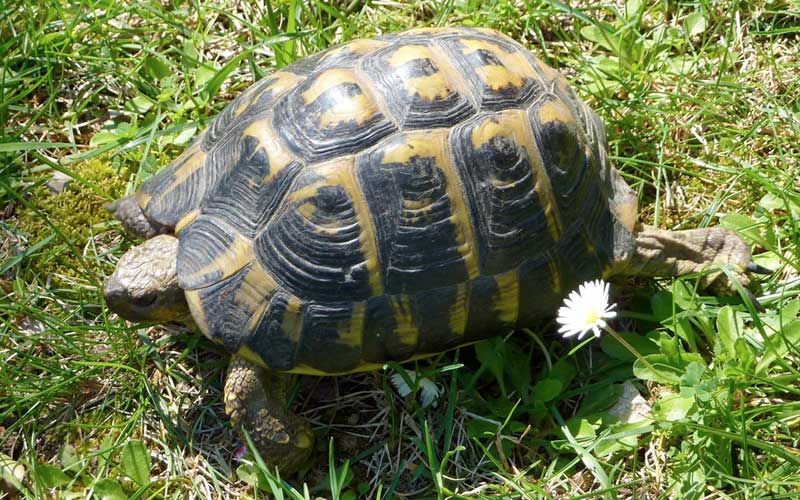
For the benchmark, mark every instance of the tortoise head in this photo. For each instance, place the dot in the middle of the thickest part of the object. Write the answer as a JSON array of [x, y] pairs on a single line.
[[144, 286]]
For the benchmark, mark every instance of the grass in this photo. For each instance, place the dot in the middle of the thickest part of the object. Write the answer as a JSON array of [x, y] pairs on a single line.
[[700, 99]]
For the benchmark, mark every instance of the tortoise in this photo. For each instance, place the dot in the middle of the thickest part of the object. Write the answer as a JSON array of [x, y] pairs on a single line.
[[386, 199]]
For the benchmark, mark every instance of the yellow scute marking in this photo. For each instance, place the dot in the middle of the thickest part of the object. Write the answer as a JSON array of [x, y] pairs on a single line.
[[255, 290], [350, 330], [143, 198], [500, 77], [512, 72], [193, 159], [430, 87], [408, 53], [542, 186], [359, 46], [186, 220], [327, 80], [406, 330], [197, 310], [431, 31], [506, 301], [459, 310], [358, 108], [239, 254], [277, 155], [508, 124], [556, 111]]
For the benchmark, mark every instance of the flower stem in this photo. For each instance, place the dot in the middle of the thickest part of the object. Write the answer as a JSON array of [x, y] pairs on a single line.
[[629, 347]]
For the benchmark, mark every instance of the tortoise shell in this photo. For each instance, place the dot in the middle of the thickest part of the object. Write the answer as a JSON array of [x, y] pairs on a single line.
[[389, 199]]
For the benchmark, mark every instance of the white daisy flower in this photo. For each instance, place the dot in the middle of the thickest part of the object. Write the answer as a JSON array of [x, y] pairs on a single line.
[[586, 310], [400, 383], [429, 391]]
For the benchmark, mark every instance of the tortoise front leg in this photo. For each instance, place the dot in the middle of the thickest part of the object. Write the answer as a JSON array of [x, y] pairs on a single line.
[[255, 400], [128, 211]]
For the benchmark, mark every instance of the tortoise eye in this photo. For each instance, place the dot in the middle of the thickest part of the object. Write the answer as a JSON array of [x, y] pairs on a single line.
[[144, 300]]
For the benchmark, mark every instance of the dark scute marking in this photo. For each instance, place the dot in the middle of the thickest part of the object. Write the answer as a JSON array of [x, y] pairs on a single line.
[[378, 324], [483, 321], [411, 215], [510, 222], [486, 58], [316, 256], [301, 127], [223, 123], [320, 345], [269, 340], [411, 110], [199, 245], [226, 319], [537, 298], [433, 319], [245, 198], [571, 172], [505, 97]]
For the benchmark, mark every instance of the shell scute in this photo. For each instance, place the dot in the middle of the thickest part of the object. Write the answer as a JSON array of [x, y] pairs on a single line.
[[422, 88], [333, 113]]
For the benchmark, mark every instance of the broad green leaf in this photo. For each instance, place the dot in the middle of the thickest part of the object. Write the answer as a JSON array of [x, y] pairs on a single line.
[[727, 330], [782, 342], [743, 225], [136, 462], [108, 489], [693, 374], [563, 371], [140, 104], [600, 399], [661, 305], [547, 389], [203, 74], [69, 458], [643, 345], [489, 353], [247, 474], [50, 476], [673, 407], [602, 35], [157, 68], [582, 429], [103, 137], [695, 23], [517, 367], [664, 369], [632, 8]]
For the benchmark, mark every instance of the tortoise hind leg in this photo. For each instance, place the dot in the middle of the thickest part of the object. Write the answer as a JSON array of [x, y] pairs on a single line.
[[677, 253], [255, 400]]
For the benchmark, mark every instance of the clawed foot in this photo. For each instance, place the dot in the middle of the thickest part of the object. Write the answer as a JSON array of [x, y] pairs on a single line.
[[678, 253], [255, 400]]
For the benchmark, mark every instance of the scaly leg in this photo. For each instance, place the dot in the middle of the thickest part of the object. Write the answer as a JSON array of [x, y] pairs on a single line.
[[255, 400], [128, 211], [677, 253]]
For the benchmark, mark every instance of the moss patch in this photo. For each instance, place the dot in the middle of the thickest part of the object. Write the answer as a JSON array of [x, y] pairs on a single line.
[[69, 219]]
